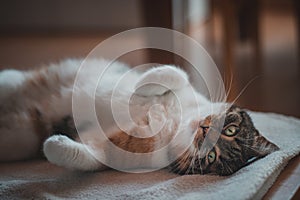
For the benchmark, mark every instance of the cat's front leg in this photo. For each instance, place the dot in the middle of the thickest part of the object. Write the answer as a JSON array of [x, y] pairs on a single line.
[[161, 79], [63, 151]]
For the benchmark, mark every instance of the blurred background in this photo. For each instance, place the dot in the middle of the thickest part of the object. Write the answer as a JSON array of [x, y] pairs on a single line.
[[255, 44]]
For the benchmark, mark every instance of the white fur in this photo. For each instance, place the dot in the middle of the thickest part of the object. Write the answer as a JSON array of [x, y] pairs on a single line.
[[65, 152], [155, 107], [10, 80], [161, 79]]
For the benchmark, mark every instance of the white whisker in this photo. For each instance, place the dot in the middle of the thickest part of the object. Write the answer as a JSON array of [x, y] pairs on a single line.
[[230, 85], [245, 87]]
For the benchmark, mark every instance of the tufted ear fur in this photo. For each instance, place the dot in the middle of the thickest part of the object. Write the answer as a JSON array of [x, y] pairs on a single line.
[[261, 147]]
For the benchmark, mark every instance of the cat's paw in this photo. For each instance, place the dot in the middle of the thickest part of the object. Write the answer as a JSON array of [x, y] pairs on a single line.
[[56, 149], [150, 89], [159, 80], [63, 151]]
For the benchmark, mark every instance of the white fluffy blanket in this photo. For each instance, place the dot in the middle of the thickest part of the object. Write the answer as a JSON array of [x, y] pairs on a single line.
[[41, 180]]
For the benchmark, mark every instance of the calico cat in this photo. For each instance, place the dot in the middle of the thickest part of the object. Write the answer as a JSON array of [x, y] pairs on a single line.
[[195, 135]]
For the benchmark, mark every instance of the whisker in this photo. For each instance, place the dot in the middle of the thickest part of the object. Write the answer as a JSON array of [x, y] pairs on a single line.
[[191, 166], [194, 159], [218, 95], [245, 87], [181, 163], [228, 168], [250, 147], [230, 84], [220, 92], [199, 158], [248, 139]]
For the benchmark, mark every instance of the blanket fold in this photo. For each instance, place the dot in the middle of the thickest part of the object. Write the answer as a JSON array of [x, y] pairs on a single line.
[[42, 180]]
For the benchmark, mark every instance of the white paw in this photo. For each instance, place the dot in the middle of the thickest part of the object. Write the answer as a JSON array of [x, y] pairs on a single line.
[[56, 149], [150, 89], [161, 79]]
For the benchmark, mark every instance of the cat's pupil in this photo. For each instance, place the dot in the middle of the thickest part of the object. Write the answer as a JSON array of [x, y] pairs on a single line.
[[231, 131], [211, 157]]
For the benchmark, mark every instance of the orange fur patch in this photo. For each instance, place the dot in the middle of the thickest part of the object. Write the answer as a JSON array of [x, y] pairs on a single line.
[[133, 144]]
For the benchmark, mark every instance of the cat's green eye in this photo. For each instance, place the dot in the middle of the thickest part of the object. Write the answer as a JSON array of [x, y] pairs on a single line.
[[211, 157], [231, 130]]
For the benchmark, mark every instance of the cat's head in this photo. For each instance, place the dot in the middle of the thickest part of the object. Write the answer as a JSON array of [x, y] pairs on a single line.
[[231, 147]]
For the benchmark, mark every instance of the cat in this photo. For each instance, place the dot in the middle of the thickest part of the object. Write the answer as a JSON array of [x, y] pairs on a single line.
[[195, 135]]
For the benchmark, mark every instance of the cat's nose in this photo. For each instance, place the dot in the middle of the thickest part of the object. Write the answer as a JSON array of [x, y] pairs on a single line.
[[205, 130]]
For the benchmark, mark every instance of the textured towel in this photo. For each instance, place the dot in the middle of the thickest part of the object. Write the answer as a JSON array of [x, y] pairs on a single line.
[[42, 180]]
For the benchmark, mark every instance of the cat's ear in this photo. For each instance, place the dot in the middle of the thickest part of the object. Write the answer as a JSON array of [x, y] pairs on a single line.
[[262, 146]]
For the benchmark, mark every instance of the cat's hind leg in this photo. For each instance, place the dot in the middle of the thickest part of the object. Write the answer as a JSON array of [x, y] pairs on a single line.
[[65, 152], [159, 80]]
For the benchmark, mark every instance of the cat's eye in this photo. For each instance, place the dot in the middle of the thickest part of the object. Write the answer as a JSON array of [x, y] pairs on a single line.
[[211, 157], [231, 130]]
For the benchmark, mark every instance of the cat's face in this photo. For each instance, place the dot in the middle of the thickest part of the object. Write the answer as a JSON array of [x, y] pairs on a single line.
[[237, 144]]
